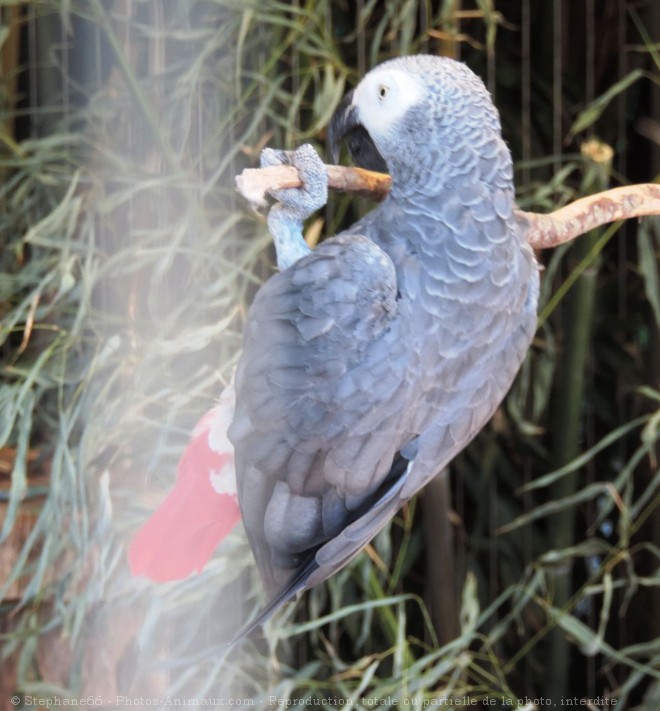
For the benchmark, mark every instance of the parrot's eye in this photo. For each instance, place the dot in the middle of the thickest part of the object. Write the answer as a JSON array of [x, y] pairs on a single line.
[[382, 91]]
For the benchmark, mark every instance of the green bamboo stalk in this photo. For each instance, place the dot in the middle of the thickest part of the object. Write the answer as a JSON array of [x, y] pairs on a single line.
[[567, 417], [9, 62], [48, 78], [146, 108], [441, 571]]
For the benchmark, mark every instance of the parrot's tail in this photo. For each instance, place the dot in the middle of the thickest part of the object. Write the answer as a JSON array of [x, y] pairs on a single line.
[[197, 514], [292, 588], [312, 569]]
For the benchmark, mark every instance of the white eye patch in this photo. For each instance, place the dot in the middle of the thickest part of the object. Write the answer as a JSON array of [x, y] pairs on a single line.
[[383, 97]]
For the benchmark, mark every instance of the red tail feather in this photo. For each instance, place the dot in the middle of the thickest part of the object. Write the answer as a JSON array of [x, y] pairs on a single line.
[[197, 514]]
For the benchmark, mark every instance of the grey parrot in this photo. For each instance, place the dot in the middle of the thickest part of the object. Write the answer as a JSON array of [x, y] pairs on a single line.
[[370, 362]]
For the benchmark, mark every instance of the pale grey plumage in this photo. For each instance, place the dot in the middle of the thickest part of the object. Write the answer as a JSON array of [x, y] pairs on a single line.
[[373, 360]]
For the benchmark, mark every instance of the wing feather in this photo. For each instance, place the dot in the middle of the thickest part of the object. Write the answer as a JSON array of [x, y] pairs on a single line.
[[318, 419]]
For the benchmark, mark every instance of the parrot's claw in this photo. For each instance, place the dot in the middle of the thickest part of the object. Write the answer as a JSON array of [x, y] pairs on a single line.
[[273, 156], [295, 205], [301, 202]]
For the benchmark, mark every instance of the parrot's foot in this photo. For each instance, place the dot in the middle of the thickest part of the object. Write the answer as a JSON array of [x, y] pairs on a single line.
[[295, 205], [313, 195]]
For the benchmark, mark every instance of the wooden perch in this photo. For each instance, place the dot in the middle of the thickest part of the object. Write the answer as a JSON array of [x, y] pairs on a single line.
[[254, 184], [545, 230], [587, 213]]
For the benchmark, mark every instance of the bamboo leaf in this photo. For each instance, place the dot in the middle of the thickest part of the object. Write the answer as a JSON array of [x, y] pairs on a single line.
[[19, 481], [588, 492], [469, 605], [589, 115], [648, 241], [587, 456]]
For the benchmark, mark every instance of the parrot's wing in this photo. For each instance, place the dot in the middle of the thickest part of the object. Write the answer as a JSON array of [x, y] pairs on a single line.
[[322, 405]]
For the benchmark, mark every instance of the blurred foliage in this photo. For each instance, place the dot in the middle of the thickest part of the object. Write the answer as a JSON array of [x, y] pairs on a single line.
[[127, 266]]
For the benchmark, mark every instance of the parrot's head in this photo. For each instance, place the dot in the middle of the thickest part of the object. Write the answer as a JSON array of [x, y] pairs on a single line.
[[411, 111]]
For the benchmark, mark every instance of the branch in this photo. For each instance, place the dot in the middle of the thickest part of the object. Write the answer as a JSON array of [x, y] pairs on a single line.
[[590, 212], [544, 230], [254, 184]]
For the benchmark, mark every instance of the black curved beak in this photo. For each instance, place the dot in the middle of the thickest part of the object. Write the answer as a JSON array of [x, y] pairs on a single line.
[[343, 121], [345, 124]]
